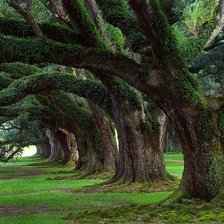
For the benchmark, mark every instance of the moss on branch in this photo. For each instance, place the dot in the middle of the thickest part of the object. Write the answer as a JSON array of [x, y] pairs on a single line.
[[195, 28], [43, 50], [5, 80], [52, 31], [19, 69], [120, 15], [92, 90], [80, 17], [74, 109], [221, 124]]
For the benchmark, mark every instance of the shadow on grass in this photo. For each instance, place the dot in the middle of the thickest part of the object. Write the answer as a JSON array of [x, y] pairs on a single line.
[[44, 164]]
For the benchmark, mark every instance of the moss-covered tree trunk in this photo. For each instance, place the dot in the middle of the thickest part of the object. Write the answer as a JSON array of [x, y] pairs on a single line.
[[43, 150], [82, 151], [139, 159], [181, 100], [55, 147], [203, 152], [69, 147], [89, 161], [107, 137], [94, 164]]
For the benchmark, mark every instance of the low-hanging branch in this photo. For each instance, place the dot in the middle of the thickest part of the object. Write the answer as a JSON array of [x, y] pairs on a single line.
[[19, 28], [89, 89], [14, 111], [27, 16]]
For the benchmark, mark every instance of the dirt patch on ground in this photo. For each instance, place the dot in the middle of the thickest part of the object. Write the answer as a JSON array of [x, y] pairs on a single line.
[[15, 210], [18, 172], [7, 210]]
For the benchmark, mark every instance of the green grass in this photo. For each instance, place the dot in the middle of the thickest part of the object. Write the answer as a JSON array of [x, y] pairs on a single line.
[[37, 219], [173, 156], [30, 193], [175, 169], [174, 164]]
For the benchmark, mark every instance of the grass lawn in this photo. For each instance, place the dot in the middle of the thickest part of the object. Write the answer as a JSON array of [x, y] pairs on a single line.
[[31, 193]]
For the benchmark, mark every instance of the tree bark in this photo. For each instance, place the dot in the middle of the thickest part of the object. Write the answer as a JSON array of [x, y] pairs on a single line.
[[139, 159], [69, 146], [55, 147], [203, 152], [27, 16], [43, 150], [107, 137], [88, 161], [94, 164]]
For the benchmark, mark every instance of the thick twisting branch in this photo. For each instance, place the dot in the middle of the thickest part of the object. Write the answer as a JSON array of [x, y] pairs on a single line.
[[98, 61], [19, 89], [219, 24], [27, 16]]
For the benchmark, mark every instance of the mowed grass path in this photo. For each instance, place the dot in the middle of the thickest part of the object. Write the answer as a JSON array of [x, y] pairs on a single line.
[[29, 193]]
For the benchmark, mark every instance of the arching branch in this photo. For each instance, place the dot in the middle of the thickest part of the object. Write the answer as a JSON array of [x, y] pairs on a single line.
[[52, 31], [19, 89], [27, 16], [219, 24], [156, 28]]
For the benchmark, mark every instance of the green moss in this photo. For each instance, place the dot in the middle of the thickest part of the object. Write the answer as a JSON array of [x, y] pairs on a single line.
[[52, 31], [205, 124], [81, 17], [192, 46], [192, 33], [74, 109], [116, 36], [215, 175], [220, 119], [123, 91], [93, 90], [5, 80], [198, 14], [119, 14], [187, 86], [18, 69], [170, 214]]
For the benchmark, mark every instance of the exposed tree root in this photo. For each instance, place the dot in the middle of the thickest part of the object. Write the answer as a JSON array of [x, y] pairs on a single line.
[[153, 186]]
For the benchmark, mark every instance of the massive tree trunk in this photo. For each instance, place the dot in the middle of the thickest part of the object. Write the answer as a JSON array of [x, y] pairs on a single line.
[[139, 159], [203, 153], [55, 146], [107, 137], [94, 164], [103, 125], [69, 146], [89, 160], [43, 150]]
